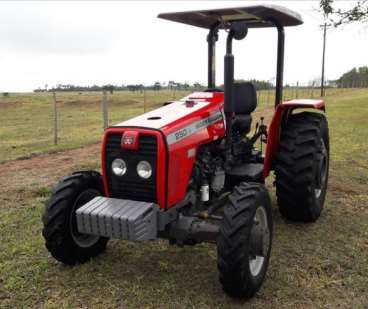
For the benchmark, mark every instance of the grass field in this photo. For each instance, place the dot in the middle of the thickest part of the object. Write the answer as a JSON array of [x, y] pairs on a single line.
[[320, 265], [27, 120]]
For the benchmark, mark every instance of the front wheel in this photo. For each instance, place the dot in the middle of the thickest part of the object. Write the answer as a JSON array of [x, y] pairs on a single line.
[[245, 239], [62, 238]]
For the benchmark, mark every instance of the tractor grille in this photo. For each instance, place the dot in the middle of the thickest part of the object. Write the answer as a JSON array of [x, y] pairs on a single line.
[[130, 186]]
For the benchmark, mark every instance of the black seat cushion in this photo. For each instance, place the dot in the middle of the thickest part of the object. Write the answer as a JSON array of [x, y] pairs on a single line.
[[242, 123], [245, 98]]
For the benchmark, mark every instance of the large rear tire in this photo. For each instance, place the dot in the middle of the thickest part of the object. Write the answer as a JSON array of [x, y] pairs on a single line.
[[245, 239], [301, 167], [63, 240]]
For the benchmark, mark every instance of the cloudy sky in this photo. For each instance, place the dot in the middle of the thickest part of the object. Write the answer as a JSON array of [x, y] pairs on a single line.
[[89, 43]]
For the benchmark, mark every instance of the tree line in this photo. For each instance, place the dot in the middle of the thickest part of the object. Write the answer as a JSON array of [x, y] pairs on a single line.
[[171, 85], [355, 78]]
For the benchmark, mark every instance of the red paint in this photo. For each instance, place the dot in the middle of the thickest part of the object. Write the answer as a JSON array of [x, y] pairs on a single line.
[[161, 160], [180, 165], [216, 103], [274, 130], [182, 158], [130, 140]]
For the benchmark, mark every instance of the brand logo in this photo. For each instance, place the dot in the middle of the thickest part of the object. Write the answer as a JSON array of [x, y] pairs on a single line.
[[128, 140], [193, 128]]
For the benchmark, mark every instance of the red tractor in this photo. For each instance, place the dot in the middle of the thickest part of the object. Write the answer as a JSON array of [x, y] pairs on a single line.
[[189, 171]]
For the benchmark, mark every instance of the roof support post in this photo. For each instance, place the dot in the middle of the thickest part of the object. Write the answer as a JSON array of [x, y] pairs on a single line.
[[280, 61], [212, 37], [228, 76], [228, 99]]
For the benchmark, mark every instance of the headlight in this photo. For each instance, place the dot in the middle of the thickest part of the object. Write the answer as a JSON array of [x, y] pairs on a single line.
[[119, 167], [144, 169]]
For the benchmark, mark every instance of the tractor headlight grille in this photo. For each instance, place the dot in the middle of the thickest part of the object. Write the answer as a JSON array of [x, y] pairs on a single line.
[[130, 185]]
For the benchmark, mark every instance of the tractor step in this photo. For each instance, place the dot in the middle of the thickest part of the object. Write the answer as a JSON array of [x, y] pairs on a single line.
[[247, 172], [120, 219]]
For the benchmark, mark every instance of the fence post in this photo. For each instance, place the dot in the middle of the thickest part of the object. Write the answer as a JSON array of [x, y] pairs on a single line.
[[105, 110], [55, 119], [144, 100], [297, 90], [312, 90]]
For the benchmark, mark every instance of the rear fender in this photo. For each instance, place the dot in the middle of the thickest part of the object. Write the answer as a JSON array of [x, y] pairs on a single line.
[[282, 111]]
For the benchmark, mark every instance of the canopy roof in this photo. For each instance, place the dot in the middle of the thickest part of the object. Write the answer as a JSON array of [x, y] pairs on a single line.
[[257, 16]]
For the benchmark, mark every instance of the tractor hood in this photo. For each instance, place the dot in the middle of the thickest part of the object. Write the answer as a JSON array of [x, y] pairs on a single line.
[[168, 138], [194, 107]]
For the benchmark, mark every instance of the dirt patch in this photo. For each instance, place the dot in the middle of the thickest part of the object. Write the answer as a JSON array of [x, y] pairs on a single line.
[[44, 161], [341, 189], [44, 170], [6, 105]]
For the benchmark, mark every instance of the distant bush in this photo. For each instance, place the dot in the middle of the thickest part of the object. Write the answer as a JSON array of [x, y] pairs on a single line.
[[259, 84]]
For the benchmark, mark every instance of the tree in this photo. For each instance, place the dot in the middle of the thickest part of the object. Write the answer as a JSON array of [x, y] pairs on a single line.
[[171, 84], [338, 17], [198, 85], [109, 88], [157, 86], [135, 88]]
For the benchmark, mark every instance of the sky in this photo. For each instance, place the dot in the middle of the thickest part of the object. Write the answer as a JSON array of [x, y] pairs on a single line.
[[86, 43]]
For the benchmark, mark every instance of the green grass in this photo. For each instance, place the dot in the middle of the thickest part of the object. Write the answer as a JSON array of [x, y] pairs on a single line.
[[27, 120], [320, 265]]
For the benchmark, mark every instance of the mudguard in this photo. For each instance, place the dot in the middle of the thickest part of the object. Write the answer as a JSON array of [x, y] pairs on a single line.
[[281, 112]]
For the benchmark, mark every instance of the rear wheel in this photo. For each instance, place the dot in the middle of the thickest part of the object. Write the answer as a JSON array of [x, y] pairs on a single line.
[[62, 238], [301, 167], [244, 243]]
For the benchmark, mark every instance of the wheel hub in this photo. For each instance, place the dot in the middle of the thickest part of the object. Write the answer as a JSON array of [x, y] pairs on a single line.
[[82, 240], [321, 171]]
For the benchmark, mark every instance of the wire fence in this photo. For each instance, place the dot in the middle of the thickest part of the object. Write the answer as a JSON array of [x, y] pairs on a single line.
[[41, 122]]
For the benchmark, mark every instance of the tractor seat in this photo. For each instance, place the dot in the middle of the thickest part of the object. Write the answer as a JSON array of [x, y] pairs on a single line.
[[245, 102]]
